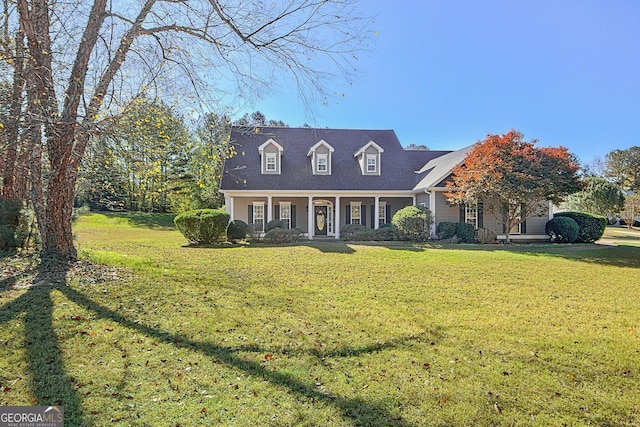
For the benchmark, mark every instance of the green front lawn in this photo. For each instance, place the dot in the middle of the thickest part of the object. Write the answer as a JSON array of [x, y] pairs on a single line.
[[149, 332]]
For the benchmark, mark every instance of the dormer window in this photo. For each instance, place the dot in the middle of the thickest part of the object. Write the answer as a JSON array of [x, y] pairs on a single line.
[[372, 163], [271, 162], [369, 158], [270, 157], [323, 163], [321, 158]]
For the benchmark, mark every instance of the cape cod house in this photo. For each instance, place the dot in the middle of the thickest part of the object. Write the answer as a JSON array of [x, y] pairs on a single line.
[[319, 180]]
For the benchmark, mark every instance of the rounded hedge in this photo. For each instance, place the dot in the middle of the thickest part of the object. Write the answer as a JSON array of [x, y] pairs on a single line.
[[237, 230], [465, 232], [590, 227], [562, 229], [446, 230], [203, 225], [413, 222]]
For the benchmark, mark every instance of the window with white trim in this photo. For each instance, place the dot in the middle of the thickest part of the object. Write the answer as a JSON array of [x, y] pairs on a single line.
[[372, 163], [285, 213], [382, 213], [517, 207], [323, 163], [258, 216], [356, 213], [471, 214], [271, 162]]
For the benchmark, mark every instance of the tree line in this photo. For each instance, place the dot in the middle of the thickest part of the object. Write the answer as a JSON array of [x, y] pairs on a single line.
[[152, 160], [611, 187]]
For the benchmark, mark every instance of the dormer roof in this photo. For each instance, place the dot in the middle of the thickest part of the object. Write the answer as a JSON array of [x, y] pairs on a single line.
[[364, 148]]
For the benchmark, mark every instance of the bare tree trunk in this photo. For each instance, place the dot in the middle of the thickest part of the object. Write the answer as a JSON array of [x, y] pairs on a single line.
[[9, 190]]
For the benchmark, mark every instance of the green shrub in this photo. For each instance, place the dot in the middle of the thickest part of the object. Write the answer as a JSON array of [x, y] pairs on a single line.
[[203, 225], [276, 223], [237, 230], [562, 229], [280, 235], [465, 232], [590, 227], [361, 233], [413, 222], [446, 230], [355, 232], [484, 236], [384, 233]]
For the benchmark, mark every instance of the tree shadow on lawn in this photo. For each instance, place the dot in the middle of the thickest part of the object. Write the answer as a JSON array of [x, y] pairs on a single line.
[[52, 385], [593, 253], [616, 256], [158, 221]]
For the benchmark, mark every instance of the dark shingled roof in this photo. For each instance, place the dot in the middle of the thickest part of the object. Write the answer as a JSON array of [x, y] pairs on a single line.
[[398, 166]]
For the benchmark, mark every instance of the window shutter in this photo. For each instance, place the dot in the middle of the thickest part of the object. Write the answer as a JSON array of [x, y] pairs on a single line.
[[293, 216], [250, 214], [373, 216], [480, 214], [388, 214], [277, 212], [523, 225], [363, 215], [348, 216], [462, 219]]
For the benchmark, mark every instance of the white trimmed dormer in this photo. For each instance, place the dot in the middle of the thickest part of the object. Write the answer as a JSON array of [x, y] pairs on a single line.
[[270, 158], [321, 158], [369, 158]]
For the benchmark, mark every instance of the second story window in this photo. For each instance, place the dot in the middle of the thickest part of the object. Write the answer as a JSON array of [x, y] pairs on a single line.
[[320, 155], [371, 163], [369, 157], [270, 157], [271, 162], [322, 163]]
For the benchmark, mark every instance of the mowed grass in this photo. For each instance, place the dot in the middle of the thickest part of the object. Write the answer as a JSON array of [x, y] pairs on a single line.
[[155, 333]]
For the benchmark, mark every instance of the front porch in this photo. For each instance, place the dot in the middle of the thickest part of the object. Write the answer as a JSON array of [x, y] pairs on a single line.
[[319, 215]]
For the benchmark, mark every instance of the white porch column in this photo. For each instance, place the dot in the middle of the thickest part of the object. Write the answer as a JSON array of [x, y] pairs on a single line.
[[414, 200], [376, 214], [310, 218], [228, 206], [432, 208], [269, 209], [550, 210], [336, 218]]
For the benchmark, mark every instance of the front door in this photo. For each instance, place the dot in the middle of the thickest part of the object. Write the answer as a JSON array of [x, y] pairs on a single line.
[[321, 221]]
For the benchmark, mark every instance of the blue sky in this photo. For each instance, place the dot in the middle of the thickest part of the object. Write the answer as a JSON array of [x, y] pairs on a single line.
[[445, 73]]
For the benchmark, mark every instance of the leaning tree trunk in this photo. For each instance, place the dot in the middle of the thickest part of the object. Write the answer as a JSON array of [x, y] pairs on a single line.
[[57, 236]]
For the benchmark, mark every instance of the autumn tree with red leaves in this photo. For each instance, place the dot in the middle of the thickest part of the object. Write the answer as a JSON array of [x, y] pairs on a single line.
[[514, 179]]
